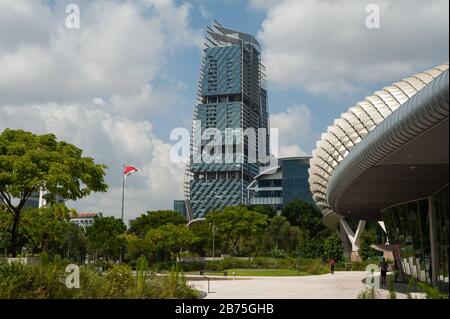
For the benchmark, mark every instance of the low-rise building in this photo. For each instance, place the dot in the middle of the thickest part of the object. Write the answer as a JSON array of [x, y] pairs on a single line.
[[179, 206], [85, 219], [279, 185]]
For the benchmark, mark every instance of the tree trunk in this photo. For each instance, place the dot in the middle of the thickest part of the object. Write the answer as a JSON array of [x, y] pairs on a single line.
[[14, 232]]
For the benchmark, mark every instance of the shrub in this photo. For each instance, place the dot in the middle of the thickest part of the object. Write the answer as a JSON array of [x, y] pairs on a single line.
[[119, 280], [32, 281], [228, 263], [392, 294], [48, 281], [277, 253], [411, 285], [310, 265], [92, 284], [368, 293], [431, 292]]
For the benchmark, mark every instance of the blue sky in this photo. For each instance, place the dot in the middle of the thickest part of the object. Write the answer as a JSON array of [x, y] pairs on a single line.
[[119, 84], [243, 16], [240, 16]]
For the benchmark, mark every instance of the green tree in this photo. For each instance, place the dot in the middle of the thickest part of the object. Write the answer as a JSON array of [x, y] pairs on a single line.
[[48, 227], [263, 209], [304, 215], [235, 224], [313, 233], [169, 240], [154, 219], [281, 235], [332, 247], [49, 230], [310, 245], [202, 238], [105, 238], [136, 247], [76, 243], [368, 238], [30, 162]]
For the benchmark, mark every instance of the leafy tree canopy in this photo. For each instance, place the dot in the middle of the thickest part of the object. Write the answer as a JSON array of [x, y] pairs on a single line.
[[29, 162], [154, 219], [48, 226], [304, 215], [332, 247], [281, 235], [235, 223], [105, 236], [169, 239], [368, 237], [263, 209]]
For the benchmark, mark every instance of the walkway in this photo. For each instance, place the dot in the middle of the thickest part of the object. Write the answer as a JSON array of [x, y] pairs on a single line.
[[341, 285]]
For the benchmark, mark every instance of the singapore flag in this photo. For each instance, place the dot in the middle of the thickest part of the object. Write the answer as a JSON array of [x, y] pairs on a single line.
[[127, 170]]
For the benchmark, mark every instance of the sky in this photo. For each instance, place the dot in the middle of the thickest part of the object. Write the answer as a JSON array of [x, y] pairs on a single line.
[[118, 85]]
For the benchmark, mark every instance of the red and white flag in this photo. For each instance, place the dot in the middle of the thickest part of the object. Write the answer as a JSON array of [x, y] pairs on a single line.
[[127, 170]]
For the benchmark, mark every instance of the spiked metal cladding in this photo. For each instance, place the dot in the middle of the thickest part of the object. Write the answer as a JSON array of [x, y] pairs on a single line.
[[353, 127], [231, 95]]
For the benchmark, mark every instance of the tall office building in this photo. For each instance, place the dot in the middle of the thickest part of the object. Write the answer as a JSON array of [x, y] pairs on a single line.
[[231, 95]]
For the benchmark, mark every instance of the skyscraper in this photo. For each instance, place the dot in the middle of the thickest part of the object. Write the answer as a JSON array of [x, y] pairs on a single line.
[[231, 96]]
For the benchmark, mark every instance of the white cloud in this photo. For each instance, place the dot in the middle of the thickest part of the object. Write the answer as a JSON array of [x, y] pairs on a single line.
[[112, 140], [95, 87], [117, 50], [294, 126], [174, 20], [291, 151], [27, 29], [263, 4], [145, 102], [204, 12], [325, 47]]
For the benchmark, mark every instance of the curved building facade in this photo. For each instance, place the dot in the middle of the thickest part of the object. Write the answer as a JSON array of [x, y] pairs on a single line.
[[389, 154]]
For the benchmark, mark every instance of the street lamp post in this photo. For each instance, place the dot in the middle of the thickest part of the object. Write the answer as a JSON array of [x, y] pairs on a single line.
[[213, 230]]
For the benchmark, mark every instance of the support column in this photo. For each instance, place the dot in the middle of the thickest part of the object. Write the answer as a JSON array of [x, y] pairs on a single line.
[[345, 242], [353, 237]]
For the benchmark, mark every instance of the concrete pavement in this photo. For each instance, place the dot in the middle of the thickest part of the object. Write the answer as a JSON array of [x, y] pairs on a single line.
[[341, 285]]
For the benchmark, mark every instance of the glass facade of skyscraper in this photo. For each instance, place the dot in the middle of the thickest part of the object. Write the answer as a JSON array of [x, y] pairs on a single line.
[[278, 186], [231, 95], [295, 180]]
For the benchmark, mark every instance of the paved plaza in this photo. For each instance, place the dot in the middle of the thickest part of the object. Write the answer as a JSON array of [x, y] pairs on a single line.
[[341, 285]]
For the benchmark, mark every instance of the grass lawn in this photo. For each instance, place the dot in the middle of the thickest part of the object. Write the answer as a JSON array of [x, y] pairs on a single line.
[[266, 272], [253, 272]]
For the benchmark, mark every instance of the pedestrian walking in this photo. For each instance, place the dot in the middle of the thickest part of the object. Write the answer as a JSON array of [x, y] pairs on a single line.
[[383, 268], [332, 263]]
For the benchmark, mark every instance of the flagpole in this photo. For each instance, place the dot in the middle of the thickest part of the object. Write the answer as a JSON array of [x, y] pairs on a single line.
[[123, 189]]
